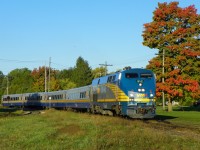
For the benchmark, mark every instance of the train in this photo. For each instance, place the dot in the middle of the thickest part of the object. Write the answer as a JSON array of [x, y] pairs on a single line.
[[130, 93]]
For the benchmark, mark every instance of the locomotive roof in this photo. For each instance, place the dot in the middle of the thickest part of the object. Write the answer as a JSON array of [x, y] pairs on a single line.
[[115, 76]]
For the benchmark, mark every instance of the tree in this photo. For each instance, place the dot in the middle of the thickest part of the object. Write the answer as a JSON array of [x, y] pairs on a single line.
[[99, 72], [66, 84], [1, 77], [175, 32], [82, 74], [66, 74], [19, 81], [38, 76], [65, 79], [2, 86]]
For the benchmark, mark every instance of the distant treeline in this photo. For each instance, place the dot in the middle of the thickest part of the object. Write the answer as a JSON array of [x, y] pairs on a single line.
[[25, 80]]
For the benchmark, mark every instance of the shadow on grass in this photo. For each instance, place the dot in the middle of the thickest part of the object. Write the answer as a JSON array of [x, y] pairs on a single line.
[[187, 108], [8, 110], [164, 118], [5, 112], [182, 108], [15, 111]]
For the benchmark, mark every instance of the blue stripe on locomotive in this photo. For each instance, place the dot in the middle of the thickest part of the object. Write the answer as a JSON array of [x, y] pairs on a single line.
[[67, 105]]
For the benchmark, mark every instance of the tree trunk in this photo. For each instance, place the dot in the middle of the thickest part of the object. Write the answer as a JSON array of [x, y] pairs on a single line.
[[169, 105]]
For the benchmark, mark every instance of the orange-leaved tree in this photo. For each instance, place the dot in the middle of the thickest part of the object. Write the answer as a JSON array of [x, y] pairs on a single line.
[[38, 76], [175, 32]]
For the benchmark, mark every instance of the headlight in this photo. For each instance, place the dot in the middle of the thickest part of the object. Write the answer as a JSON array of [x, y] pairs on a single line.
[[140, 84], [141, 90], [151, 95], [131, 95]]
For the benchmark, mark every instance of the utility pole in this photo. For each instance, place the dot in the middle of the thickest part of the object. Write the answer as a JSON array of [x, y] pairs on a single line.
[[49, 74], [163, 79], [7, 85], [45, 78], [49, 85], [105, 65]]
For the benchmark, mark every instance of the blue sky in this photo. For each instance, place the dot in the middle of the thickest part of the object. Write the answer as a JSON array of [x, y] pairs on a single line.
[[32, 31]]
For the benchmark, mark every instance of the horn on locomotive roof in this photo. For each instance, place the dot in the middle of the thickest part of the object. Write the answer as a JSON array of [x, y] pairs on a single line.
[[127, 68]]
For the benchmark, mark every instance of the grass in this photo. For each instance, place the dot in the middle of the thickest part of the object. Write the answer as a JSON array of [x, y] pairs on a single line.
[[183, 116], [56, 129]]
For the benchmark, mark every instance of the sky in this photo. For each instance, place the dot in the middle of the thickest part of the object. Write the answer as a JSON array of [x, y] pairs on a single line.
[[100, 31]]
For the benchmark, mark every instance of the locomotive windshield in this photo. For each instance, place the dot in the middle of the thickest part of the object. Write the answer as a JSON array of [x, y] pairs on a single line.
[[131, 75], [136, 75], [146, 75]]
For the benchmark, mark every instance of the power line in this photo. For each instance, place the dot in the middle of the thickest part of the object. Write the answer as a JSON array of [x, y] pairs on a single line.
[[59, 65], [136, 61], [21, 61], [28, 61], [105, 65]]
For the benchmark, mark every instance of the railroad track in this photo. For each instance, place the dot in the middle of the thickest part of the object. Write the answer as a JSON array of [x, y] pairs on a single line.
[[173, 129]]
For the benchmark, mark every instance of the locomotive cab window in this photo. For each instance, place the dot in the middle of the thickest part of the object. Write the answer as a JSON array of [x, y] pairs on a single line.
[[131, 75], [146, 75], [111, 78]]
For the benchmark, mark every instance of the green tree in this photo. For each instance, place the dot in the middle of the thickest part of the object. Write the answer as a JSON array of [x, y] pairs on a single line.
[[1, 77], [19, 81], [65, 79], [98, 72], [175, 32], [66, 73], [66, 84], [82, 74], [2, 86]]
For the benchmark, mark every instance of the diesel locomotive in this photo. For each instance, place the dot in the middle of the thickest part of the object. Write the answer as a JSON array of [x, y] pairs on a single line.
[[130, 92]]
